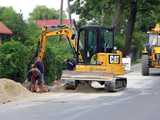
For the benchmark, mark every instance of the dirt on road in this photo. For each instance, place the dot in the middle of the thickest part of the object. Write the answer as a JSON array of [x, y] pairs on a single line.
[[12, 91]]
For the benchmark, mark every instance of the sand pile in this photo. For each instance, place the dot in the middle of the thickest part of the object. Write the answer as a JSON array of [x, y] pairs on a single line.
[[11, 91]]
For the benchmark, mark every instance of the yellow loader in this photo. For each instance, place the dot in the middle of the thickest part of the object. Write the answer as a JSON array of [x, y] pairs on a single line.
[[151, 52]]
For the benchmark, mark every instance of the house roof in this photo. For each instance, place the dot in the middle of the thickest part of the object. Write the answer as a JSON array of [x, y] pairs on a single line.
[[53, 22], [5, 30]]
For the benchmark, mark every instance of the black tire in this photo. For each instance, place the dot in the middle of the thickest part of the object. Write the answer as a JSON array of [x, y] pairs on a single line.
[[145, 65]]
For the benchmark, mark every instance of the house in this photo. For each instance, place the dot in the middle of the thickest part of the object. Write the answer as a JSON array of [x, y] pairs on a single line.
[[5, 32], [54, 22]]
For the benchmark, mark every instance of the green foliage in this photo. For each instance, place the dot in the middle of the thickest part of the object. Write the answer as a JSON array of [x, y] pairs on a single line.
[[14, 21], [42, 12], [32, 32], [56, 52], [61, 48], [104, 11], [49, 64], [119, 41], [14, 58], [94, 10], [139, 39], [8, 15], [147, 14]]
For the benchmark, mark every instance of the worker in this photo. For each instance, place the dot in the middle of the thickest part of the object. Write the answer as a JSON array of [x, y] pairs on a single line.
[[34, 75], [40, 66]]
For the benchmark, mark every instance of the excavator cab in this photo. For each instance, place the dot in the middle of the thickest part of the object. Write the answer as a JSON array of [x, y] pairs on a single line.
[[94, 39], [154, 39], [97, 61]]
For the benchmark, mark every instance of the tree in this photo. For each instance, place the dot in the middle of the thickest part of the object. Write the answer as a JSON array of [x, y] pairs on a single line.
[[146, 12], [14, 21], [99, 12], [32, 32], [117, 18], [122, 15], [14, 58], [42, 12], [130, 26]]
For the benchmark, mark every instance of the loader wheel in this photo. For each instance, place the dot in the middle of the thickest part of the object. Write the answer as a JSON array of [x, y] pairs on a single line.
[[145, 65]]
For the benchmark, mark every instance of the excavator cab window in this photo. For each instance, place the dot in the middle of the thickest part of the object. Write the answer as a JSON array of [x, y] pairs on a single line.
[[94, 39], [106, 40], [87, 43], [154, 39]]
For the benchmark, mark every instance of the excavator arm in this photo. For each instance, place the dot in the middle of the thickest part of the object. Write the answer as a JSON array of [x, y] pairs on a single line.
[[56, 31], [45, 34]]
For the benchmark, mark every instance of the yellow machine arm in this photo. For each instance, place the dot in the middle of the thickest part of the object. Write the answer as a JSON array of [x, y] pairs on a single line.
[[56, 31]]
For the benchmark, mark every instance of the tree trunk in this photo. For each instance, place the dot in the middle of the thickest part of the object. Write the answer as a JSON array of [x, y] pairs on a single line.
[[118, 15], [130, 27]]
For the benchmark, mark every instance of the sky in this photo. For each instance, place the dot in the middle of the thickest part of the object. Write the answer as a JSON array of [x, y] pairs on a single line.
[[26, 6]]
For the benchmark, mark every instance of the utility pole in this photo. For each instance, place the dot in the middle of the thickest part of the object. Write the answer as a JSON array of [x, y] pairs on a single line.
[[61, 13], [69, 13]]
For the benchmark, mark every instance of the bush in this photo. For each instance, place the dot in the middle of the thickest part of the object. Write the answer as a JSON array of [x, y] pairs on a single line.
[[139, 39], [56, 52], [49, 64], [14, 58]]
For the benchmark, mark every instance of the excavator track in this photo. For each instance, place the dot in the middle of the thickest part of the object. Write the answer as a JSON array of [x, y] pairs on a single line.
[[111, 83], [117, 84], [71, 85]]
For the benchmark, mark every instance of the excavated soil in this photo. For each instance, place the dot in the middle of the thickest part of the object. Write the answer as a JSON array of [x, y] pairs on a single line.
[[12, 91]]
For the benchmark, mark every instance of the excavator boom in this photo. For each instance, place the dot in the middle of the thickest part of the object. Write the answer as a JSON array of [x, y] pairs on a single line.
[[56, 31]]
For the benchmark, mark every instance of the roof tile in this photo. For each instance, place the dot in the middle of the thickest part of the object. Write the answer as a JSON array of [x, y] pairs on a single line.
[[5, 30], [52, 22]]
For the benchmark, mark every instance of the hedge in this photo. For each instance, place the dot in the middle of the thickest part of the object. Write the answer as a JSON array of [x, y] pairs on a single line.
[[14, 58]]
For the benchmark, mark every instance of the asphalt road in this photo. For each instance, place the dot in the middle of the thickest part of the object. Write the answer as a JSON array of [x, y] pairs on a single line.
[[140, 101]]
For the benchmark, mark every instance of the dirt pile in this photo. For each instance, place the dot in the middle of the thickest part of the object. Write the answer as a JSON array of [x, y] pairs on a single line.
[[11, 91]]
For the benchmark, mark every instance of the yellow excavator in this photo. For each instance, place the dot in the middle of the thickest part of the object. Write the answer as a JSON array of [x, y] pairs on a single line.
[[151, 52], [96, 57]]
